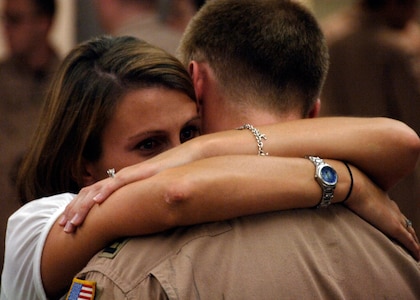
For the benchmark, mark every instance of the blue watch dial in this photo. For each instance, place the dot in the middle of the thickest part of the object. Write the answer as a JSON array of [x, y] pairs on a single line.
[[328, 175]]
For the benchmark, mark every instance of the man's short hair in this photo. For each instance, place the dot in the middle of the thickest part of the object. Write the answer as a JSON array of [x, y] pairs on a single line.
[[272, 49]]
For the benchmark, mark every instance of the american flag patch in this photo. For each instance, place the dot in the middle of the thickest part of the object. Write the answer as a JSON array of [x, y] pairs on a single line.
[[82, 290]]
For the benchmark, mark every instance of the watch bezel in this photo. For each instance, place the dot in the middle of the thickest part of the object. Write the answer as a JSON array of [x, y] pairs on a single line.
[[319, 173]]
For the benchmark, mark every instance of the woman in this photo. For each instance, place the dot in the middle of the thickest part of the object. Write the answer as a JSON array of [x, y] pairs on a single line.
[[114, 102], [117, 102]]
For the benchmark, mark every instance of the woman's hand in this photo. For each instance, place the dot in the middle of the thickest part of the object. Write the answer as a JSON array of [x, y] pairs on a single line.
[[374, 205], [76, 211]]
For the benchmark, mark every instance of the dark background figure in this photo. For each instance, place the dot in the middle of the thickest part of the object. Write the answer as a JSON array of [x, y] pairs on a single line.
[[24, 76], [168, 17], [158, 22], [375, 71]]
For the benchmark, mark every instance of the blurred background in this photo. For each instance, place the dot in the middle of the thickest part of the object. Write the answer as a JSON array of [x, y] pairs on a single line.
[[374, 71], [76, 20]]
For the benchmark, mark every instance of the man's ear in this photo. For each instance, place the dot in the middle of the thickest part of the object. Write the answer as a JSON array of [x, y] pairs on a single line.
[[316, 108], [195, 71]]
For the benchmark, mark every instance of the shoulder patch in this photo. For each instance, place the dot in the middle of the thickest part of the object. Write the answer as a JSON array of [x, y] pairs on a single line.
[[81, 290], [112, 250]]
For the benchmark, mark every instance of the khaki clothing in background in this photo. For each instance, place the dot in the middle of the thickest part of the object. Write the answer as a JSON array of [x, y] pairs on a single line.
[[375, 71]]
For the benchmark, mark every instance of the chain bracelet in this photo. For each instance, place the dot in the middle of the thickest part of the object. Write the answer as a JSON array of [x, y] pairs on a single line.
[[258, 136]]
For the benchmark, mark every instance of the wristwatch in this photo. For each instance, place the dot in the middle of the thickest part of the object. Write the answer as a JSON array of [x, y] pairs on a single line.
[[326, 177]]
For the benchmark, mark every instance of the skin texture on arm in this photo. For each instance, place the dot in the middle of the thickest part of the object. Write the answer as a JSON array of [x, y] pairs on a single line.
[[212, 189], [384, 149], [367, 143]]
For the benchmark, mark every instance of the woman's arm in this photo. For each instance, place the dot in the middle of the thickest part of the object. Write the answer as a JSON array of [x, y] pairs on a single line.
[[213, 189], [384, 149]]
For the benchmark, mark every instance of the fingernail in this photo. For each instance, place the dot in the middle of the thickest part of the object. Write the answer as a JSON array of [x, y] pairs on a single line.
[[75, 220], [97, 198], [63, 220], [68, 228]]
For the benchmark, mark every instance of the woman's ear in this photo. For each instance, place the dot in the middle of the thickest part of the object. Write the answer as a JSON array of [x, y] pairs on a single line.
[[316, 108], [88, 171]]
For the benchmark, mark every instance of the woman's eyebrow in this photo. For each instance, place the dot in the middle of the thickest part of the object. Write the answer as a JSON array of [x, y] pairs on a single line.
[[193, 119], [146, 134]]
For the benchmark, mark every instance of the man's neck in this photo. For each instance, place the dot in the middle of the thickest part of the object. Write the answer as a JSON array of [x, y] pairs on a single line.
[[235, 119]]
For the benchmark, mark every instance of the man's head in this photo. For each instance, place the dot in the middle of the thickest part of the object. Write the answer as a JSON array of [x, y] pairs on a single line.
[[27, 24], [268, 54]]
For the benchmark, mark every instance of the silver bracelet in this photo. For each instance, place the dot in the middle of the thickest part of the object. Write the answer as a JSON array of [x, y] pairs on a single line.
[[258, 136]]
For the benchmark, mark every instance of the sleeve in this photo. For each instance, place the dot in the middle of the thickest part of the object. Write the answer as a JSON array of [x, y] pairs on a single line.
[[27, 230]]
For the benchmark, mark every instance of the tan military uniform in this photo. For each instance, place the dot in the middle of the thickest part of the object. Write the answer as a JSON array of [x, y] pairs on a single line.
[[299, 254]]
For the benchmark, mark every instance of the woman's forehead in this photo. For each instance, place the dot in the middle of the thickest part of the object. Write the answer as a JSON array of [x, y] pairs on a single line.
[[154, 108]]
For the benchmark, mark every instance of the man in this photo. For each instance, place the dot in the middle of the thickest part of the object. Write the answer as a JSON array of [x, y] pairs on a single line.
[[24, 76], [239, 53], [375, 71], [139, 18]]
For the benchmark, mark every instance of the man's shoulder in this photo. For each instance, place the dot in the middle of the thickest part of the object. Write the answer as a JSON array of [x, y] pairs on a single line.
[[319, 246], [146, 253], [131, 260]]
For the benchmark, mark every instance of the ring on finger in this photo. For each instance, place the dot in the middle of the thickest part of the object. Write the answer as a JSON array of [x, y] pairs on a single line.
[[111, 172], [408, 223]]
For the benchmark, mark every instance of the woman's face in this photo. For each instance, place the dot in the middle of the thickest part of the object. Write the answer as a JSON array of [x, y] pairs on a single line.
[[146, 122]]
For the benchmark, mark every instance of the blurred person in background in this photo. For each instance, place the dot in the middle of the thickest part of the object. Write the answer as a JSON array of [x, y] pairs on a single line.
[[138, 18], [24, 76], [177, 13], [375, 71]]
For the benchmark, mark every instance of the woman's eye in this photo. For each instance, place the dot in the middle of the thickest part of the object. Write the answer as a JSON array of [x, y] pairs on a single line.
[[189, 133], [148, 145]]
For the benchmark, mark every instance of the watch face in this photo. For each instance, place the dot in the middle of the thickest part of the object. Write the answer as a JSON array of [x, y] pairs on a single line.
[[328, 175]]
